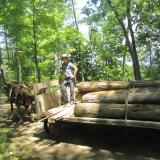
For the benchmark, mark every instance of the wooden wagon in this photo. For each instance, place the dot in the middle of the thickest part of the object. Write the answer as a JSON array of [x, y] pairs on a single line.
[[128, 104]]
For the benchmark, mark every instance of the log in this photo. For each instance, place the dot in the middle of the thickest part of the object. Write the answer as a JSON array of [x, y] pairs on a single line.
[[104, 110], [99, 110], [94, 86], [144, 90], [144, 112], [145, 96], [140, 84], [101, 86], [113, 96]]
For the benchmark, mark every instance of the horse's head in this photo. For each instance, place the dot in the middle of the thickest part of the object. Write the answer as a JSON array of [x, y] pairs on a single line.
[[7, 88]]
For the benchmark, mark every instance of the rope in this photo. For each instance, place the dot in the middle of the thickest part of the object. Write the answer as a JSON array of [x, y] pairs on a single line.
[[126, 106]]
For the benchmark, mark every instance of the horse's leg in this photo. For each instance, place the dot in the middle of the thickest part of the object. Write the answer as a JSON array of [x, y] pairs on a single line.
[[11, 106], [20, 114], [11, 114], [29, 111]]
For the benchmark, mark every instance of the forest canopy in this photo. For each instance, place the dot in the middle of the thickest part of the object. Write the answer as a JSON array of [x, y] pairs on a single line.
[[122, 43]]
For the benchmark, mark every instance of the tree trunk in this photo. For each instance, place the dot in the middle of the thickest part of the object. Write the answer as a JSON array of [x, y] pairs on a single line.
[[104, 110], [150, 59], [6, 44], [134, 56], [74, 14], [35, 44], [79, 52], [123, 66], [134, 50], [19, 72], [2, 72]]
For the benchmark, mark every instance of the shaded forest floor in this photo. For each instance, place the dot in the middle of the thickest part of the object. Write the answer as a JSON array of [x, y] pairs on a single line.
[[77, 142]]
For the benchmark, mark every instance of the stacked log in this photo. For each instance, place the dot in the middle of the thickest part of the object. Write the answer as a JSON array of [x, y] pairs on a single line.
[[101, 86], [136, 100]]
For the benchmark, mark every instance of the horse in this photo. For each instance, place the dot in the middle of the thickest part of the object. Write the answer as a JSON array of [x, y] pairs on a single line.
[[21, 95]]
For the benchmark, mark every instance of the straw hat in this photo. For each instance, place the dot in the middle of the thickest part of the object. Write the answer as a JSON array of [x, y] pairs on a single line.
[[65, 56]]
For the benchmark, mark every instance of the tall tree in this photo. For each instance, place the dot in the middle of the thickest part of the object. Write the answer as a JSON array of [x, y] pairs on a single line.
[[78, 47], [131, 44], [34, 27]]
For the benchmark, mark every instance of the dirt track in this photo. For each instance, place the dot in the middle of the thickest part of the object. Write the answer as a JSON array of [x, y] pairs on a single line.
[[79, 142]]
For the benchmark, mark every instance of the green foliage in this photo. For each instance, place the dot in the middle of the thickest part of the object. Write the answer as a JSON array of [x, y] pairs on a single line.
[[107, 40], [51, 37], [103, 55], [3, 143]]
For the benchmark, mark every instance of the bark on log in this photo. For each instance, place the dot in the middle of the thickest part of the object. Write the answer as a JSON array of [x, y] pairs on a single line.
[[113, 96], [111, 85], [104, 110], [99, 110], [144, 90], [146, 96], [140, 84], [101, 86]]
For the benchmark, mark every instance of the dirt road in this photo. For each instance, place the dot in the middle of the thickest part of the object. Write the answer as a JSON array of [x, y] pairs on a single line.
[[78, 142]]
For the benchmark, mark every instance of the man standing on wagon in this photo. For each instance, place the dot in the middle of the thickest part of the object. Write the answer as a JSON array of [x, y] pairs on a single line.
[[68, 75]]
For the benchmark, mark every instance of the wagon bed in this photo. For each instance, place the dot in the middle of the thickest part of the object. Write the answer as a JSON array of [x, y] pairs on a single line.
[[66, 114]]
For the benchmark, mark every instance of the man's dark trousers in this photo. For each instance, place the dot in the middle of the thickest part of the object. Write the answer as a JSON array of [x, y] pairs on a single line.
[[64, 95]]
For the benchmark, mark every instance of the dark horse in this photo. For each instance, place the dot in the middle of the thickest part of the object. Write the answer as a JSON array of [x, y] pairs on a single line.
[[21, 95]]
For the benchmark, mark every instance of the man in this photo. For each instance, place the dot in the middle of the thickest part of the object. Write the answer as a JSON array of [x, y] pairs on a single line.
[[68, 75]]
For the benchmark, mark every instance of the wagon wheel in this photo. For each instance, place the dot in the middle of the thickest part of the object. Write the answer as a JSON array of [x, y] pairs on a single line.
[[52, 129]]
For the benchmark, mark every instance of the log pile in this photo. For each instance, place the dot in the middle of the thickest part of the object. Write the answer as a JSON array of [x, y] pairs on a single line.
[[135, 100]]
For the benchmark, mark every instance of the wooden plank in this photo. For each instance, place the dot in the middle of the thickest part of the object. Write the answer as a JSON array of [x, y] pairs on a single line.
[[65, 112], [53, 113], [143, 124], [114, 122], [47, 101], [88, 120], [56, 110]]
